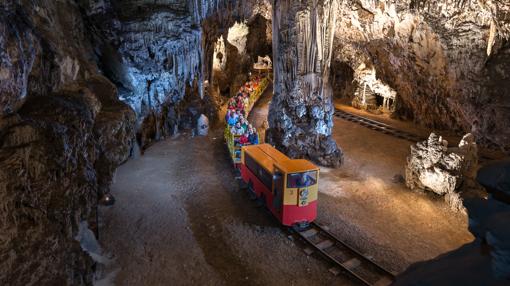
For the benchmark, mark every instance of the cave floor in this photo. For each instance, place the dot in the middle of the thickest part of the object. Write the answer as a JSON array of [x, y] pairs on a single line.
[[180, 218], [366, 205]]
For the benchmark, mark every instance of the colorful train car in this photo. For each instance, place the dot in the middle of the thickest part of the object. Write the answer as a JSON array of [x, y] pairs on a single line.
[[288, 187], [232, 141]]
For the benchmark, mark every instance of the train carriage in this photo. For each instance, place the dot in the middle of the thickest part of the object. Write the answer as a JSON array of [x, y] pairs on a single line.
[[288, 187]]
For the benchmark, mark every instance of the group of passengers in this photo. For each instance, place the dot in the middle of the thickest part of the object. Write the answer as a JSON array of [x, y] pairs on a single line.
[[242, 98], [236, 112]]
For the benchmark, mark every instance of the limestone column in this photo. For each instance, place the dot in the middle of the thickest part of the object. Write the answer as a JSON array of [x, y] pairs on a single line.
[[301, 112]]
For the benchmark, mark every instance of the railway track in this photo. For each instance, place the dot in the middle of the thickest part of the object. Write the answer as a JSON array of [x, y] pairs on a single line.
[[390, 130], [345, 258], [379, 126]]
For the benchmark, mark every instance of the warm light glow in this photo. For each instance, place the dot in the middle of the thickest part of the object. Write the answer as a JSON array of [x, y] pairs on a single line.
[[237, 36]]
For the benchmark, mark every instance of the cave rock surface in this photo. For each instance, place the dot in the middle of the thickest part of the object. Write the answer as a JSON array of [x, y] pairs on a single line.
[[434, 167], [301, 112]]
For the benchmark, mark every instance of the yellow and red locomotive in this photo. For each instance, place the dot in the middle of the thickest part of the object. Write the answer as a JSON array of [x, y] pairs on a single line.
[[288, 187]]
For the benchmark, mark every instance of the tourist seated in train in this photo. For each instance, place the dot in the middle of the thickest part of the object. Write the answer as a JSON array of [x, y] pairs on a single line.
[[243, 140], [301, 180], [240, 103], [237, 129], [244, 124], [233, 119], [248, 87], [232, 104], [240, 113], [252, 136], [228, 115]]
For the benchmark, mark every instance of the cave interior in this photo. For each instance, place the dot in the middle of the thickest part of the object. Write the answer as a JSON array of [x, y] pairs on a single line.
[[115, 163]]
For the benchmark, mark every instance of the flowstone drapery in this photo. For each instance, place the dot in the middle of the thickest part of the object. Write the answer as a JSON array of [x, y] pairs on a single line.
[[300, 117]]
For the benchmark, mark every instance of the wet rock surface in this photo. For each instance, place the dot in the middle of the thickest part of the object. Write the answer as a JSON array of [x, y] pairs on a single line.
[[495, 177]]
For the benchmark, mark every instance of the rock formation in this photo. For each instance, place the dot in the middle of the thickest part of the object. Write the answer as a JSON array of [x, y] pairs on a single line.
[[63, 132], [300, 117], [159, 52], [447, 61], [57, 156], [432, 166]]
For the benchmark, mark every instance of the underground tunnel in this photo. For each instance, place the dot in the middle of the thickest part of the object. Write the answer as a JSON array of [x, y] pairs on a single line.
[[254, 142]]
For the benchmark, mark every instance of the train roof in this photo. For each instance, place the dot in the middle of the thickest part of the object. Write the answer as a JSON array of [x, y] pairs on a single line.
[[268, 156]]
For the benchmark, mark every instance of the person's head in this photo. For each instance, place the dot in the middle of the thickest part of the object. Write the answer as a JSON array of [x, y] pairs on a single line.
[[238, 124]]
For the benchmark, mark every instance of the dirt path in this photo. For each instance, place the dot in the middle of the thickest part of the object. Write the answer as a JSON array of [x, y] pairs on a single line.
[[180, 219]]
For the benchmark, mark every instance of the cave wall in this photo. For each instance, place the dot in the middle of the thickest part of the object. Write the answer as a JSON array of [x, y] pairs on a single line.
[[161, 49], [447, 61], [63, 132]]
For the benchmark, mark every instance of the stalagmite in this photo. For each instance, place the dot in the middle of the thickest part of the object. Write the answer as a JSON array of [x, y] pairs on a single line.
[[300, 116]]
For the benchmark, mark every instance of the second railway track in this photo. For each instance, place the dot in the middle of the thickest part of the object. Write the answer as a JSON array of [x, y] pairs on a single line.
[[379, 126], [392, 131]]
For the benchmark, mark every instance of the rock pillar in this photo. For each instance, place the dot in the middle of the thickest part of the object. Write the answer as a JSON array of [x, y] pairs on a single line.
[[301, 113]]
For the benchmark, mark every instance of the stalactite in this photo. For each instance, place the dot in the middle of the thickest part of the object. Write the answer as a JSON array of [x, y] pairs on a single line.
[[492, 37]]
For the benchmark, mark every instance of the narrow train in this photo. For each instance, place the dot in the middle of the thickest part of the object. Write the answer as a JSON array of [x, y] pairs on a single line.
[[288, 187]]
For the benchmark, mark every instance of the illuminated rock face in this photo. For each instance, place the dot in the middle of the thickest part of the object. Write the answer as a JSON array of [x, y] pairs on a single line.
[[300, 117], [432, 166], [447, 61], [159, 52]]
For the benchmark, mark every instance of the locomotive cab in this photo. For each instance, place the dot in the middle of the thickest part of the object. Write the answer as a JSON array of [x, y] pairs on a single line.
[[300, 190], [288, 187]]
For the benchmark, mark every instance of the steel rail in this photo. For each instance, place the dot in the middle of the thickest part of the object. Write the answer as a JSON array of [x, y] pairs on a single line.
[[356, 264]]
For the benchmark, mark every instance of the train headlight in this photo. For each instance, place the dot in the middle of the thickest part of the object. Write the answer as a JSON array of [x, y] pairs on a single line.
[[303, 197]]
